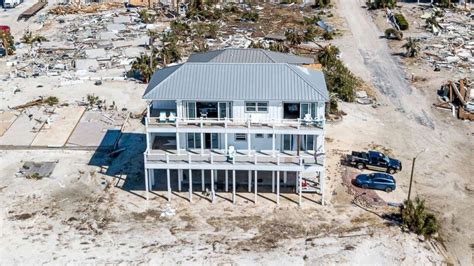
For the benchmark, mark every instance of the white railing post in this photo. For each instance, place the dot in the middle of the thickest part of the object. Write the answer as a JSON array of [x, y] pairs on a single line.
[[200, 122], [189, 158], [298, 121], [300, 160], [212, 158], [278, 159], [255, 158], [167, 157]]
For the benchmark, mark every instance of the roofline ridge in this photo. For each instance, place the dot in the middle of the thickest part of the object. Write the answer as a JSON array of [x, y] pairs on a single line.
[[305, 80], [265, 53]]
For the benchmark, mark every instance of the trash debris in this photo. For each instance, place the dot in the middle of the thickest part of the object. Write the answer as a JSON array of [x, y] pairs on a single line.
[[37, 170], [168, 211], [457, 97]]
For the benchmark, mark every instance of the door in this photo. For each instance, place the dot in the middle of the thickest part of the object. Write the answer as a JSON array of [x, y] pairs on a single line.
[[211, 141], [305, 109], [191, 110], [194, 140], [225, 110]]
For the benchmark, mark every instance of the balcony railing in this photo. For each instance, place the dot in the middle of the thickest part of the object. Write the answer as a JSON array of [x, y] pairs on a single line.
[[236, 123], [220, 156]]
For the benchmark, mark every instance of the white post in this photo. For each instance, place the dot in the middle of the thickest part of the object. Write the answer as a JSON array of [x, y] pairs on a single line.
[[225, 141], [255, 187], [202, 143], [250, 180], [212, 186], [226, 181], [273, 181], [300, 183], [285, 177], [203, 181], [168, 183], [273, 144], [146, 184], [278, 187], [148, 141], [177, 141], [190, 173], [180, 178], [233, 186]]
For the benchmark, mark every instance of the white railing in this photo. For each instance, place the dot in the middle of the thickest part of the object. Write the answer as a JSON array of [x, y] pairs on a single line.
[[237, 122], [212, 157]]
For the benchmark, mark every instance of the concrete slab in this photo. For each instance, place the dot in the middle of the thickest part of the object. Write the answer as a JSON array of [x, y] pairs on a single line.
[[6, 120], [96, 129], [25, 128], [60, 127]]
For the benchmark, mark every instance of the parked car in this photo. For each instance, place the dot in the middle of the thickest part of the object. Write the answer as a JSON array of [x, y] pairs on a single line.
[[379, 181], [374, 160]]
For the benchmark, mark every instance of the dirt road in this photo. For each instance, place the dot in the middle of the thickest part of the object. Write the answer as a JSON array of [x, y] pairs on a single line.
[[384, 69], [407, 124]]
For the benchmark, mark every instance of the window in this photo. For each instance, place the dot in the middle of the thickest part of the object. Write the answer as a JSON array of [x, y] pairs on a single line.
[[256, 107], [259, 136], [240, 137]]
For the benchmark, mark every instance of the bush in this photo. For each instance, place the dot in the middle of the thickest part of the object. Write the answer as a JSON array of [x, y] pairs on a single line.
[[321, 3], [393, 34], [328, 35], [51, 100], [416, 219], [250, 16], [401, 21], [376, 4]]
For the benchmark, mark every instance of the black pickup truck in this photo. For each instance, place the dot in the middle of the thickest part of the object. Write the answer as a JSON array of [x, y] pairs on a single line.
[[374, 160]]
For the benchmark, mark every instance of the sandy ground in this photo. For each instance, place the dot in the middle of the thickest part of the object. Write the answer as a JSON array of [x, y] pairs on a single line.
[[69, 218], [407, 124]]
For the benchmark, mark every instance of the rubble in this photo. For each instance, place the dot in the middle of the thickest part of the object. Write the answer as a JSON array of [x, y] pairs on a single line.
[[457, 97]]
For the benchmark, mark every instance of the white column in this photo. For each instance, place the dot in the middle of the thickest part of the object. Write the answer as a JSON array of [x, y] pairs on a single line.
[[168, 183], [273, 144], [233, 186], [226, 181], [148, 140], [203, 185], [177, 141], [202, 143], [212, 186], [322, 180], [300, 183], [255, 187], [285, 177], [225, 141], [190, 173], [273, 181], [180, 178], [146, 184], [250, 180], [278, 187]]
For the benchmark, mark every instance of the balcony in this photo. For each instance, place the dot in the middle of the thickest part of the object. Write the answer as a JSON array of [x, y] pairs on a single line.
[[235, 124], [243, 160]]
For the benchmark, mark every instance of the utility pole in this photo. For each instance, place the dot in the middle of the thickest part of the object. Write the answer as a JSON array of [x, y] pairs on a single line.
[[412, 171]]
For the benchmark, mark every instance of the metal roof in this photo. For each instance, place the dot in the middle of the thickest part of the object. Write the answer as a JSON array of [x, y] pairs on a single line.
[[232, 81], [240, 55]]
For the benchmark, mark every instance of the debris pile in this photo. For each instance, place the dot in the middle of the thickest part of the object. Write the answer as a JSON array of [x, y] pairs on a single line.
[[451, 45], [37, 170], [457, 97], [77, 9]]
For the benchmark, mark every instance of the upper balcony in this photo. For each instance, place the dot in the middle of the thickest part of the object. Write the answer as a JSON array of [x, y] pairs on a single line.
[[237, 117]]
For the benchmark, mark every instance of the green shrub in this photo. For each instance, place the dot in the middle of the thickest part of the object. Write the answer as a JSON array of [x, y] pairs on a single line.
[[250, 15], [416, 219], [51, 100], [376, 4], [401, 21], [393, 34]]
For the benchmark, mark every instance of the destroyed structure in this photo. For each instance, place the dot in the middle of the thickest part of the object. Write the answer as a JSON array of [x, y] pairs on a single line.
[[237, 119]]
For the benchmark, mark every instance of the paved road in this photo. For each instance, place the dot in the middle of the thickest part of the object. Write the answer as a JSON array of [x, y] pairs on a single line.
[[369, 51]]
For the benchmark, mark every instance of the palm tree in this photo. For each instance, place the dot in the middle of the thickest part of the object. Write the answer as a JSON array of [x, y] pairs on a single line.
[[278, 47], [327, 55], [310, 33], [170, 52], [412, 46], [293, 37], [145, 66], [145, 17], [212, 30]]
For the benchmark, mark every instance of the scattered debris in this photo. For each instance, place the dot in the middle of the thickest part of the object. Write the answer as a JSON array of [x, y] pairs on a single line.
[[37, 170], [458, 97], [168, 211]]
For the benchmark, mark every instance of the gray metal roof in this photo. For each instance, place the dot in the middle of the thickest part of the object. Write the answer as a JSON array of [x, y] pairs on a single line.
[[239, 55], [221, 81]]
